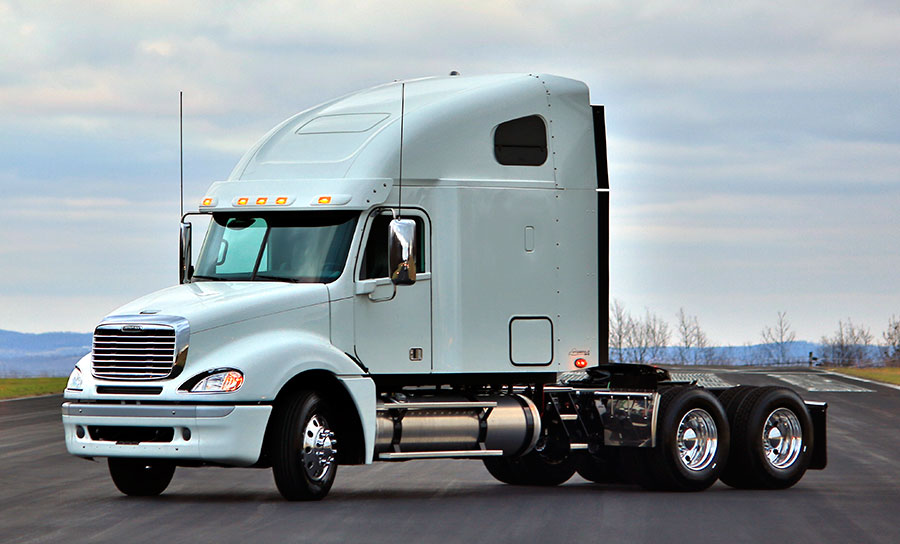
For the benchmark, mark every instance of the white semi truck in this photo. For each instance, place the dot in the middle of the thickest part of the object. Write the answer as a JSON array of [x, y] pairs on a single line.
[[414, 271]]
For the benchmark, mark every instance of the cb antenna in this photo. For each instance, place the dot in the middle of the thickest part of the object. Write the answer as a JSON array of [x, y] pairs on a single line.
[[400, 176], [181, 151]]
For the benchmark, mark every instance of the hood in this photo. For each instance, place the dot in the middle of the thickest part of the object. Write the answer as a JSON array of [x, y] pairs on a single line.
[[211, 304]]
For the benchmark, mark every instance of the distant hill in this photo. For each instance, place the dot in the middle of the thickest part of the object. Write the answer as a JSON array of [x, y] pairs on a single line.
[[46, 354], [757, 354], [55, 353]]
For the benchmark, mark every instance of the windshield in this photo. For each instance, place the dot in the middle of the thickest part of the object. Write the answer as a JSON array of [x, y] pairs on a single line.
[[309, 247]]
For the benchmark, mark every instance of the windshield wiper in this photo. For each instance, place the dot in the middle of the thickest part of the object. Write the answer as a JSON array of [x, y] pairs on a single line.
[[210, 278], [274, 278]]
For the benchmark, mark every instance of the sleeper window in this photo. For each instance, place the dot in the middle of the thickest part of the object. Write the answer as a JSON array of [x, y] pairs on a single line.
[[522, 142]]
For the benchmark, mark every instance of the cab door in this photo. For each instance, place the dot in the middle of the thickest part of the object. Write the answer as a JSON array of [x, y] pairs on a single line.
[[393, 322]]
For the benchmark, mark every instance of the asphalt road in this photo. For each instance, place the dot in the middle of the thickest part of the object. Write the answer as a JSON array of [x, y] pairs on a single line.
[[48, 496]]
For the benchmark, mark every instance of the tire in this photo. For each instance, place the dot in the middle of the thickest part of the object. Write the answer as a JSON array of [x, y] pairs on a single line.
[[550, 463], [772, 440], [304, 449], [508, 470], [530, 469], [542, 471], [731, 398], [692, 442], [141, 477], [603, 468]]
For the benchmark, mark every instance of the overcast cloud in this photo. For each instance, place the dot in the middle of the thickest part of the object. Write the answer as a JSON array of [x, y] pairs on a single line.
[[754, 149]]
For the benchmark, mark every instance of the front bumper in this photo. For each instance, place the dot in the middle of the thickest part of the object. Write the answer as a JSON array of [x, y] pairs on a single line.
[[221, 434]]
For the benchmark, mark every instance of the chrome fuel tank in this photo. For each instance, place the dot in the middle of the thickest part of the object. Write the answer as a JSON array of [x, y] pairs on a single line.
[[456, 426]]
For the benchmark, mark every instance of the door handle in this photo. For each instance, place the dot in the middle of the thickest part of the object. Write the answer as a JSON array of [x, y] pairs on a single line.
[[368, 287]]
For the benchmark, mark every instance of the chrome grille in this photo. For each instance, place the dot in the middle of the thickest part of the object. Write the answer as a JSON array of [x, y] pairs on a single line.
[[133, 351]]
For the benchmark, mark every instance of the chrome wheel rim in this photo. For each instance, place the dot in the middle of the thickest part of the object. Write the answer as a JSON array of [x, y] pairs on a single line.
[[319, 448], [782, 438], [697, 440]]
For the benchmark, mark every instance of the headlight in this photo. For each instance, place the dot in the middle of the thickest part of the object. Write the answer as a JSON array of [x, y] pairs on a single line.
[[74, 383], [220, 382]]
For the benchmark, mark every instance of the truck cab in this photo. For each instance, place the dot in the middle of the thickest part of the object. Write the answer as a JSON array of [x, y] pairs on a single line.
[[400, 273]]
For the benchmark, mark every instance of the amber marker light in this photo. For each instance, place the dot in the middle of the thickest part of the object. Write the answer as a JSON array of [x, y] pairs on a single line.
[[281, 200], [580, 363], [261, 200], [324, 200], [232, 382], [207, 202], [224, 381], [242, 201]]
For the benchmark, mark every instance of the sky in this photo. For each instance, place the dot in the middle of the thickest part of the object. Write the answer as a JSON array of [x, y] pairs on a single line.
[[754, 147]]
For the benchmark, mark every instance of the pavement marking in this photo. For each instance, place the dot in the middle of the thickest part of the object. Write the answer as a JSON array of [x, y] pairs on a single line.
[[882, 384], [33, 397], [819, 383], [703, 379]]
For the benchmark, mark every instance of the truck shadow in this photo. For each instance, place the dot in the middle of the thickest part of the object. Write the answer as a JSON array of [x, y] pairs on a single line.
[[478, 492]]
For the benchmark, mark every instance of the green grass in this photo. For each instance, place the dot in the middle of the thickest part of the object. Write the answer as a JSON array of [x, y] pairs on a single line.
[[882, 374], [11, 388]]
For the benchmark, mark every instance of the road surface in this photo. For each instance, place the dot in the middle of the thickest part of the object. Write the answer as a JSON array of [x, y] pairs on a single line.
[[48, 496]]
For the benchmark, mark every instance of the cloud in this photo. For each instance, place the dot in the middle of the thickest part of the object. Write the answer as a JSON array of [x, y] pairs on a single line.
[[161, 48], [753, 146]]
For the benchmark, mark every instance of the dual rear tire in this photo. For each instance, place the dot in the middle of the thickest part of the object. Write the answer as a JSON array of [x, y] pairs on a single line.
[[749, 438], [692, 443], [772, 438]]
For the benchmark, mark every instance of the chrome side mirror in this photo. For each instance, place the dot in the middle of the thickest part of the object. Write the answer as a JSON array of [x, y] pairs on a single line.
[[402, 251], [185, 270]]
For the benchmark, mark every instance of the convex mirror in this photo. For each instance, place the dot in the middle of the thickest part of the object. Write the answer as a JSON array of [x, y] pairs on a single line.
[[402, 251]]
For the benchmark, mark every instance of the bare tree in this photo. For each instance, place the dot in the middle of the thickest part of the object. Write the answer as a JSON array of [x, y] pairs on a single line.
[[649, 338], [890, 349], [778, 339], [849, 346], [657, 334], [620, 332], [694, 344], [636, 340]]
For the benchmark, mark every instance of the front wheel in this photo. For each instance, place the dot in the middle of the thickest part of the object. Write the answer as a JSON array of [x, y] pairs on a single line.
[[304, 453], [141, 477]]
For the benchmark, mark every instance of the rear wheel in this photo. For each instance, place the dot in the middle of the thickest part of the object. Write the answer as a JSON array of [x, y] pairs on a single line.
[[772, 440], [141, 477], [304, 452], [692, 442]]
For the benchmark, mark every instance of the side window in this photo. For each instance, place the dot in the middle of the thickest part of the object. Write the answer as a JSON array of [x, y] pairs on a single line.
[[375, 258], [521, 142]]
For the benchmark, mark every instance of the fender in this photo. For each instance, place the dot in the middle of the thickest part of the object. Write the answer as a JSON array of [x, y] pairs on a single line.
[[268, 358]]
